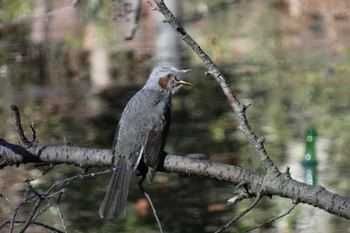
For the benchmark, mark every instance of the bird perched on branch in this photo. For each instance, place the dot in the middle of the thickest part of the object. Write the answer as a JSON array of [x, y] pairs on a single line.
[[141, 136]]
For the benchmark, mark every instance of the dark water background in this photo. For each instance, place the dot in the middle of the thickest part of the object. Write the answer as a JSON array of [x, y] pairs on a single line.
[[293, 66]]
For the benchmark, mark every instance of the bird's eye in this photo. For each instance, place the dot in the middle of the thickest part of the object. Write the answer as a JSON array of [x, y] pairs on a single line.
[[168, 75]]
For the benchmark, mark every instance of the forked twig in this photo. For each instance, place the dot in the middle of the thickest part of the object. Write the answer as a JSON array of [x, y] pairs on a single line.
[[274, 219], [228, 224], [36, 197]]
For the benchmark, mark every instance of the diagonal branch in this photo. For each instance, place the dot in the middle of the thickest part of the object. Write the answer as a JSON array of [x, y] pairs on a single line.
[[134, 17], [213, 70], [276, 218], [19, 128]]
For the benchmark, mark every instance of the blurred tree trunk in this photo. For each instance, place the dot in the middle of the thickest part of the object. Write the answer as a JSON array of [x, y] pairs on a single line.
[[167, 46]]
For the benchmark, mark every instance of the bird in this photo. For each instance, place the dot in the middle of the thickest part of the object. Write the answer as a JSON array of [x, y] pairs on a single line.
[[141, 135]]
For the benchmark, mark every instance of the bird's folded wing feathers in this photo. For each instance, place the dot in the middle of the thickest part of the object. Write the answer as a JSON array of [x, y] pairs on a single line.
[[156, 134], [152, 146]]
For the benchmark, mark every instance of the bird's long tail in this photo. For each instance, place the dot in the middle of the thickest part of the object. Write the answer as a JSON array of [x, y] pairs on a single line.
[[114, 203]]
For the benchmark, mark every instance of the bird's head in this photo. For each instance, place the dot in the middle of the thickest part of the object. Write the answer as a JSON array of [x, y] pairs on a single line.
[[166, 78]]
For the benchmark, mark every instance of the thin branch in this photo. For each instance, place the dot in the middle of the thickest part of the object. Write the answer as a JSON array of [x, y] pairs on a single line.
[[4, 223], [31, 189], [55, 230], [227, 225], [4, 197], [44, 171], [25, 199], [65, 182], [274, 219], [19, 128], [34, 137], [40, 212], [32, 195], [31, 216], [154, 211], [134, 17], [59, 212], [241, 193], [150, 202]]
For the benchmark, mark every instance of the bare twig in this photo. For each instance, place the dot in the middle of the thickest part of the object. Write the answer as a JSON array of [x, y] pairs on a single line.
[[44, 171], [34, 138], [59, 212], [239, 194], [274, 219], [154, 211], [52, 229], [19, 128], [134, 17], [38, 202], [32, 195], [13, 218], [227, 225], [40, 212], [4, 197], [150, 202], [25, 200]]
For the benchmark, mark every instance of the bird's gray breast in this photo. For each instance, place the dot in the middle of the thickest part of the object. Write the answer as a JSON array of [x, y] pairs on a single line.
[[146, 109]]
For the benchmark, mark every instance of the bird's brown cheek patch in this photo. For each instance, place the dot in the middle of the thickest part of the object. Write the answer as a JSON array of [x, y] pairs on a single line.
[[163, 83]]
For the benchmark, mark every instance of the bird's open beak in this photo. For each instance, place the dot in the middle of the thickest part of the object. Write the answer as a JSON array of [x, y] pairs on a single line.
[[185, 83]]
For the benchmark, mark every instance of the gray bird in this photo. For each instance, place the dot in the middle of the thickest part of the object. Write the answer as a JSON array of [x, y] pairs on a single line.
[[141, 136]]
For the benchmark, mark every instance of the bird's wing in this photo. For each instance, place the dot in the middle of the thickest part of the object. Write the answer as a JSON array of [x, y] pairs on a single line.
[[156, 137], [152, 146]]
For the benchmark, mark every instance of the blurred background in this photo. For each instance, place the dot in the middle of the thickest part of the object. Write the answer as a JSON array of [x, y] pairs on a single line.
[[70, 71]]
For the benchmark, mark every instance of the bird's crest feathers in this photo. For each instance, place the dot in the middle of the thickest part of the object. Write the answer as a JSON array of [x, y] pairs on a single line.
[[165, 77]]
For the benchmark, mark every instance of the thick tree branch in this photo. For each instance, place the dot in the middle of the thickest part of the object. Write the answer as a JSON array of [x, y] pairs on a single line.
[[265, 185], [11, 154]]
